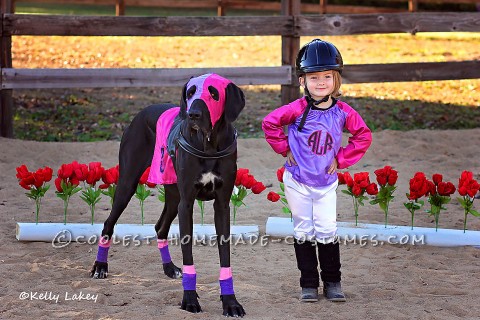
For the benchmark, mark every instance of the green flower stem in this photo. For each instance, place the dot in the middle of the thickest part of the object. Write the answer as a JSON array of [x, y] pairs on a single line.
[[413, 215], [285, 205], [234, 214], [201, 204], [37, 209], [386, 216], [355, 208], [141, 209], [465, 221], [92, 212], [65, 207]]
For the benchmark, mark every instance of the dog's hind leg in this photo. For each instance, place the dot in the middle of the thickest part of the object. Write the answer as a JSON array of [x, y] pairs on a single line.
[[162, 227], [136, 152]]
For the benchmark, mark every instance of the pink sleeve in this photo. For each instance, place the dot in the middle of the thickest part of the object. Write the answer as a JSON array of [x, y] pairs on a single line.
[[358, 143], [274, 122]]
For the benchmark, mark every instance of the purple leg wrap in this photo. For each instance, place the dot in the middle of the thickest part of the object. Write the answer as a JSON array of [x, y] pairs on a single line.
[[165, 253], [189, 281], [226, 286], [102, 254]]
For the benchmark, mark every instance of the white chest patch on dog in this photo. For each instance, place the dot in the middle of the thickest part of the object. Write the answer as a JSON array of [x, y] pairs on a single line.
[[208, 177]]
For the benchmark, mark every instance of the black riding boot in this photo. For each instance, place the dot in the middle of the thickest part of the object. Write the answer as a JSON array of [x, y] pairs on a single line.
[[329, 258], [308, 265]]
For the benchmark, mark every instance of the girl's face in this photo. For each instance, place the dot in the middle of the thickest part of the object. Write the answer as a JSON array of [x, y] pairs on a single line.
[[319, 84]]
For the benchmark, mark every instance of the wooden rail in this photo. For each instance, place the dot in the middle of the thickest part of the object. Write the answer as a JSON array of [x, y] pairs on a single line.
[[290, 26], [222, 6]]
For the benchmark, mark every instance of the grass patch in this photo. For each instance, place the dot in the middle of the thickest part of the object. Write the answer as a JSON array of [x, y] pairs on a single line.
[[102, 114]]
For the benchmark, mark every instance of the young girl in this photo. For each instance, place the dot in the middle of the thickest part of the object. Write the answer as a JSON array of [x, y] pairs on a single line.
[[313, 151]]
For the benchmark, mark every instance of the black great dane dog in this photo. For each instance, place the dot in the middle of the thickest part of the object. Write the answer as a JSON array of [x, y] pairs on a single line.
[[192, 151]]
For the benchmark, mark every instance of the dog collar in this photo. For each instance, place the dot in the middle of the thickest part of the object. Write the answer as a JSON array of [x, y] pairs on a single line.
[[183, 143]]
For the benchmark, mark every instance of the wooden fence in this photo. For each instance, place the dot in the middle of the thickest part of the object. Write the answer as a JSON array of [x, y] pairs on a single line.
[[290, 26], [222, 6]]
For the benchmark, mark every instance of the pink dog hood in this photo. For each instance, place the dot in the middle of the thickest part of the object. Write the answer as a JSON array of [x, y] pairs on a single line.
[[216, 108]]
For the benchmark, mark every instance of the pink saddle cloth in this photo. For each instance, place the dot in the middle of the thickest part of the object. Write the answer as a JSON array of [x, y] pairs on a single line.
[[162, 170]]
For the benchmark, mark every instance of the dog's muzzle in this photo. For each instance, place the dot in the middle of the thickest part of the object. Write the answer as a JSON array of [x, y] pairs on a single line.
[[199, 118]]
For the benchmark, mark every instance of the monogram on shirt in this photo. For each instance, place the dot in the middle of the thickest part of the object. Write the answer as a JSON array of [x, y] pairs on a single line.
[[315, 142]]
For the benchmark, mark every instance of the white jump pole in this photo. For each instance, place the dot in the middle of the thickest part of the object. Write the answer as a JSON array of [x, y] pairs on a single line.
[[378, 234], [81, 232]]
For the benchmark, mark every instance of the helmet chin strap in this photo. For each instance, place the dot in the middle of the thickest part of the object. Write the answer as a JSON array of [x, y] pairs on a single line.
[[310, 102]]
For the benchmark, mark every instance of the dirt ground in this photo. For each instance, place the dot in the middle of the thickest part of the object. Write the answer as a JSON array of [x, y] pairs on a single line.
[[383, 281]]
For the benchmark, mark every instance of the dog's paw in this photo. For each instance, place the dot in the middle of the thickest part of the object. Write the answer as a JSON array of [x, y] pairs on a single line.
[[190, 301], [99, 270], [172, 271], [231, 307]]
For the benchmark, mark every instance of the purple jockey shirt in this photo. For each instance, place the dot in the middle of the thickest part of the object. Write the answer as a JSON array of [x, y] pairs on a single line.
[[320, 140]]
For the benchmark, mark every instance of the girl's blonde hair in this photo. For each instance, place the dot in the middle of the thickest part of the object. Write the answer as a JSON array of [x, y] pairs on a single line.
[[337, 83]]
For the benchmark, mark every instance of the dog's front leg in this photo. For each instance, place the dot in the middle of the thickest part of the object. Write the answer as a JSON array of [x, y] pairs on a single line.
[[189, 279], [231, 307]]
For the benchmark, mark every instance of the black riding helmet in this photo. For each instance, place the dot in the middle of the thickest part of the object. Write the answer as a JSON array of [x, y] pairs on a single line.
[[318, 55]]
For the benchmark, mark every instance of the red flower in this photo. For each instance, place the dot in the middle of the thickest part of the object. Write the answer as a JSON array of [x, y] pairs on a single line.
[[372, 189], [144, 179], [109, 177], [467, 185], [341, 178], [386, 175], [392, 177], [28, 179], [419, 186], [65, 171], [273, 196], [432, 190], [47, 174], [80, 170], [357, 190], [348, 179], [58, 184], [240, 173], [445, 188], [258, 188], [280, 172], [22, 172], [361, 179], [248, 180], [95, 172], [437, 178]]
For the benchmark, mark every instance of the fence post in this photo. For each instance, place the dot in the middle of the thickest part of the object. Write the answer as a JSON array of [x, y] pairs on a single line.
[[120, 7], [6, 99], [222, 8], [290, 47], [323, 6], [413, 5]]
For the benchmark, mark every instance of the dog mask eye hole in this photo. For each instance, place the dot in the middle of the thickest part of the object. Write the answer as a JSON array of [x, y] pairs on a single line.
[[214, 93], [191, 92]]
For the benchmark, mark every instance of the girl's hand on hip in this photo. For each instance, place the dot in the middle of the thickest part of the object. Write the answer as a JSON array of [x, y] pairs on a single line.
[[290, 159], [333, 167]]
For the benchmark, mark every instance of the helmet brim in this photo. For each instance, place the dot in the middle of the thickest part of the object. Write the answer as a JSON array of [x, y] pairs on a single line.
[[312, 69]]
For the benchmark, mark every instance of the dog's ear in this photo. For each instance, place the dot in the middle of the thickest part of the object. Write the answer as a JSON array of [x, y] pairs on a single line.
[[183, 103], [234, 102]]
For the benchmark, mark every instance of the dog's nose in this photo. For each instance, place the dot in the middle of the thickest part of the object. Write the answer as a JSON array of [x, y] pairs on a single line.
[[194, 114]]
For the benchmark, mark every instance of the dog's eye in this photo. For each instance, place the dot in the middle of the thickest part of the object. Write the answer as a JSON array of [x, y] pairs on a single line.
[[214, 93], [191, 91]]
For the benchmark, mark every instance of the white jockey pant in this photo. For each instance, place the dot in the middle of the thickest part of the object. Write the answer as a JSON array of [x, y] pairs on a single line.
[[314, 210]]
